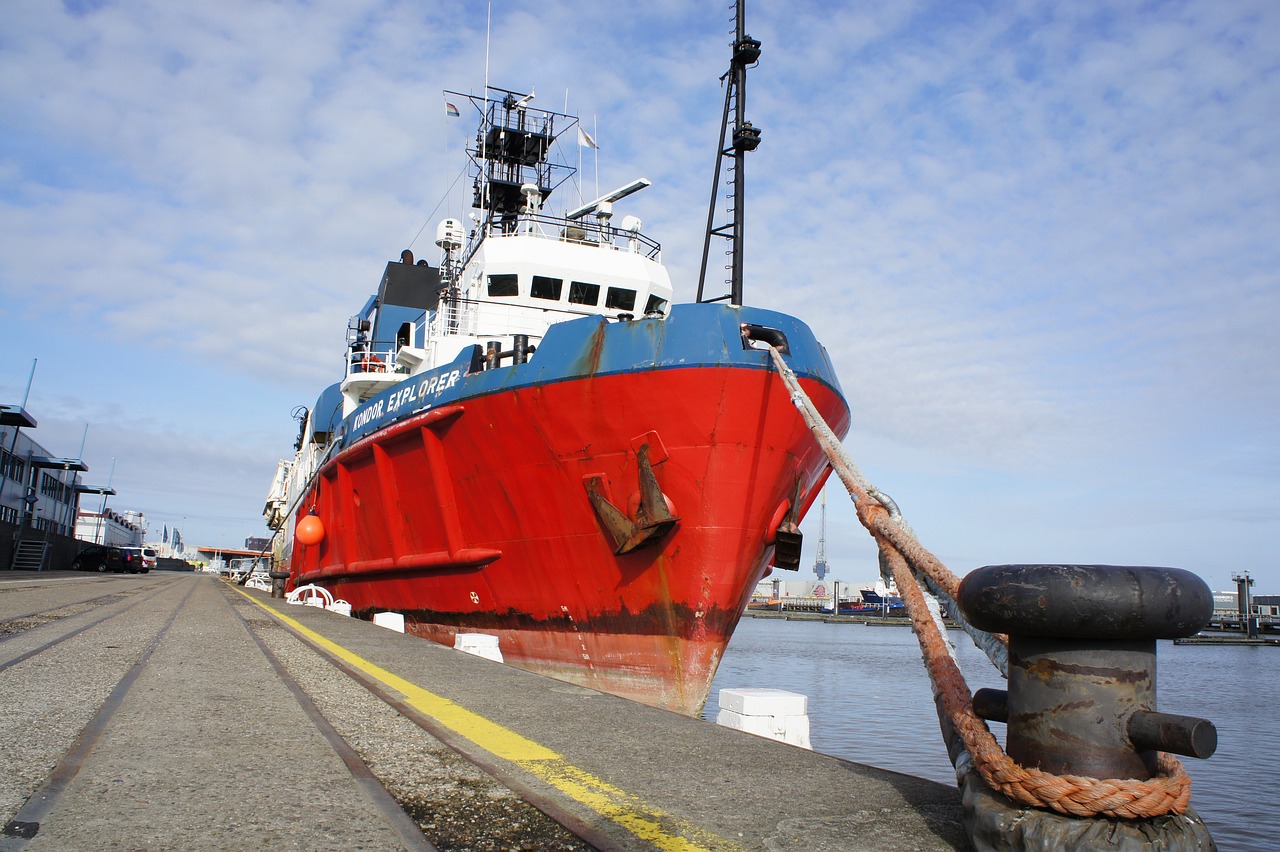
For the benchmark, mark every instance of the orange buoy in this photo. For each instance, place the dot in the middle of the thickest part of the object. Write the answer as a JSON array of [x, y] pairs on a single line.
[[310, 529]]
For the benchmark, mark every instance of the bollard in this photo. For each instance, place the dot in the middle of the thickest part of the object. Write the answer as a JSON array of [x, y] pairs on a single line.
[[277, 583], [520, 348], [1082, 663]]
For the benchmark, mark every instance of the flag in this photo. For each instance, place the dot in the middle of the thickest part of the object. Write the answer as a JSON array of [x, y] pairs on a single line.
[[166, 534], [585, 140], [451, 110]]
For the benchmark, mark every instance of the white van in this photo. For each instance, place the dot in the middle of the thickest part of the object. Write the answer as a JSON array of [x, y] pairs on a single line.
[[145, 556]]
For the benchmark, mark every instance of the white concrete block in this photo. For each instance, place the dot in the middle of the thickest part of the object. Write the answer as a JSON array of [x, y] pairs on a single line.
[[390, 620], [479, 644], [793, 730], [759, 701], [773, 713]]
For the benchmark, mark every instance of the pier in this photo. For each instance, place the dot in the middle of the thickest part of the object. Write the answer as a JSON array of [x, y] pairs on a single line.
[[1228, 639], [868, 620], [179, 711]]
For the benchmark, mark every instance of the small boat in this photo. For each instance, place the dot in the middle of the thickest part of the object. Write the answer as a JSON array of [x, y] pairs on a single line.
[[773, 605]]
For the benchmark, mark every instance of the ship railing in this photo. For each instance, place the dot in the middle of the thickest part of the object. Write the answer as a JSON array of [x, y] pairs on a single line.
[[309, 459], [488, 318], [371, 359], [491, 318], [578, 231]]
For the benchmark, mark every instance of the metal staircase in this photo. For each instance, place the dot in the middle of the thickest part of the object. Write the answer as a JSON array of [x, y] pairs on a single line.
[[29, 555]]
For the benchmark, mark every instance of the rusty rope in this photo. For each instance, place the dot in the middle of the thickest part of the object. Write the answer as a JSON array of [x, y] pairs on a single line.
[[1075, 795]]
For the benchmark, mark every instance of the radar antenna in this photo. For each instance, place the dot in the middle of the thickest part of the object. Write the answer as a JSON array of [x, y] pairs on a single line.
[[745, 137], [603, 206]]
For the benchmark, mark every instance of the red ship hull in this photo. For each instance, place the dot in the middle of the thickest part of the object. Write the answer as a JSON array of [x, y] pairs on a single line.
[[476, 517]]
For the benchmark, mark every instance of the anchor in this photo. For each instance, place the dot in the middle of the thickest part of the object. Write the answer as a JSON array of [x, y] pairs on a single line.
[[653, 518]]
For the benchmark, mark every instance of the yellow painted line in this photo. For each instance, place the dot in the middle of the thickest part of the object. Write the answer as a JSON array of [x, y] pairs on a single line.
[[651, 824]]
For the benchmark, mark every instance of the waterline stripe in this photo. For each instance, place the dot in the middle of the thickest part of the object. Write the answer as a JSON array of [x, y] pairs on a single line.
[[651, 824]]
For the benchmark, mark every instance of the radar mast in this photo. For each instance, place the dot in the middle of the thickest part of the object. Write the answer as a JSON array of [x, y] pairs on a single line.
[[733, 150]]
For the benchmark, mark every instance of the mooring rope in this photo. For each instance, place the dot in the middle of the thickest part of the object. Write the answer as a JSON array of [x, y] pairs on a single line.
[[1168, 792], [995, 646]]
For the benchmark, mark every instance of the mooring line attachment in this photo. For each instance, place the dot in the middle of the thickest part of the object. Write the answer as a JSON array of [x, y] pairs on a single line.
[[1168, 792]]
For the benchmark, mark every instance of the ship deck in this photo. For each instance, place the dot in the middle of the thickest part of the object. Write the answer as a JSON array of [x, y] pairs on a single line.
[[175, 710]]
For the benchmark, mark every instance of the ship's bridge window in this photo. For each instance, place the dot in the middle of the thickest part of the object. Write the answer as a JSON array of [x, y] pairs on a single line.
[[582, 293], [620, 298], [656, 304], [547, 288], [504, 285]]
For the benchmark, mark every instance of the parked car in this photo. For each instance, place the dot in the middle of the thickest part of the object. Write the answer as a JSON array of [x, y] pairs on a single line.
[[100, 557], [139, 560]]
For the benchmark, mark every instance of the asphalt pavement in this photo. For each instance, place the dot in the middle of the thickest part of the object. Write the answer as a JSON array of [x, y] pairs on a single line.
[[194, 714]]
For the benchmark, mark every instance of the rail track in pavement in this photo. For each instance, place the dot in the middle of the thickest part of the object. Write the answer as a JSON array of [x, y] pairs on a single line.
[[169, 710]]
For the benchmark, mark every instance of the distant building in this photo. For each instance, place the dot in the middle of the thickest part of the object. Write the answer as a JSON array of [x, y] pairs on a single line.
[[775, 588], [122, 529], [41, 525], [227, 559], [1266, 606], [1227, 609], [37, 490], [1225, 603], [39, 498]]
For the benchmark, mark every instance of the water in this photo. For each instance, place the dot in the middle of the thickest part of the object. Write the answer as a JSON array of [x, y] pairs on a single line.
[[870, 702]]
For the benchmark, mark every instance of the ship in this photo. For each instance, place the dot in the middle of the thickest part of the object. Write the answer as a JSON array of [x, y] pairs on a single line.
[[882, 598], [533, 439]]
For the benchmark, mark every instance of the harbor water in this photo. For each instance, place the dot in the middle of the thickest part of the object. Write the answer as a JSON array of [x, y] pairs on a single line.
[[870, 702]]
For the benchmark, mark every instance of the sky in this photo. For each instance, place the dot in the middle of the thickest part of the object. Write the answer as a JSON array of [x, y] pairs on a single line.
[[1039, 240]]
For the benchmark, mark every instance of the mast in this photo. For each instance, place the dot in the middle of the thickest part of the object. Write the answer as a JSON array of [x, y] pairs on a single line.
[[511, 166], [509, 155], [733, 148]]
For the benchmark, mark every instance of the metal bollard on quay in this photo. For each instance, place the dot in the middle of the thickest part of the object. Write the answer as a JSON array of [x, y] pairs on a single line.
[[1081, 696], [277, 583]]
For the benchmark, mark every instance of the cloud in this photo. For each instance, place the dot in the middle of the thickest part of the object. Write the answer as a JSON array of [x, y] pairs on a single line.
[[1038, 240]]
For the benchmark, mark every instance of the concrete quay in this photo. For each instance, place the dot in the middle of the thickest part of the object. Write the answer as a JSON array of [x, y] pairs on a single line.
[[177, 711]]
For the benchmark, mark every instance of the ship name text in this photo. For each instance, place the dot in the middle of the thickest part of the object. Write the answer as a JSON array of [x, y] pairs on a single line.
[[406, 396]]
